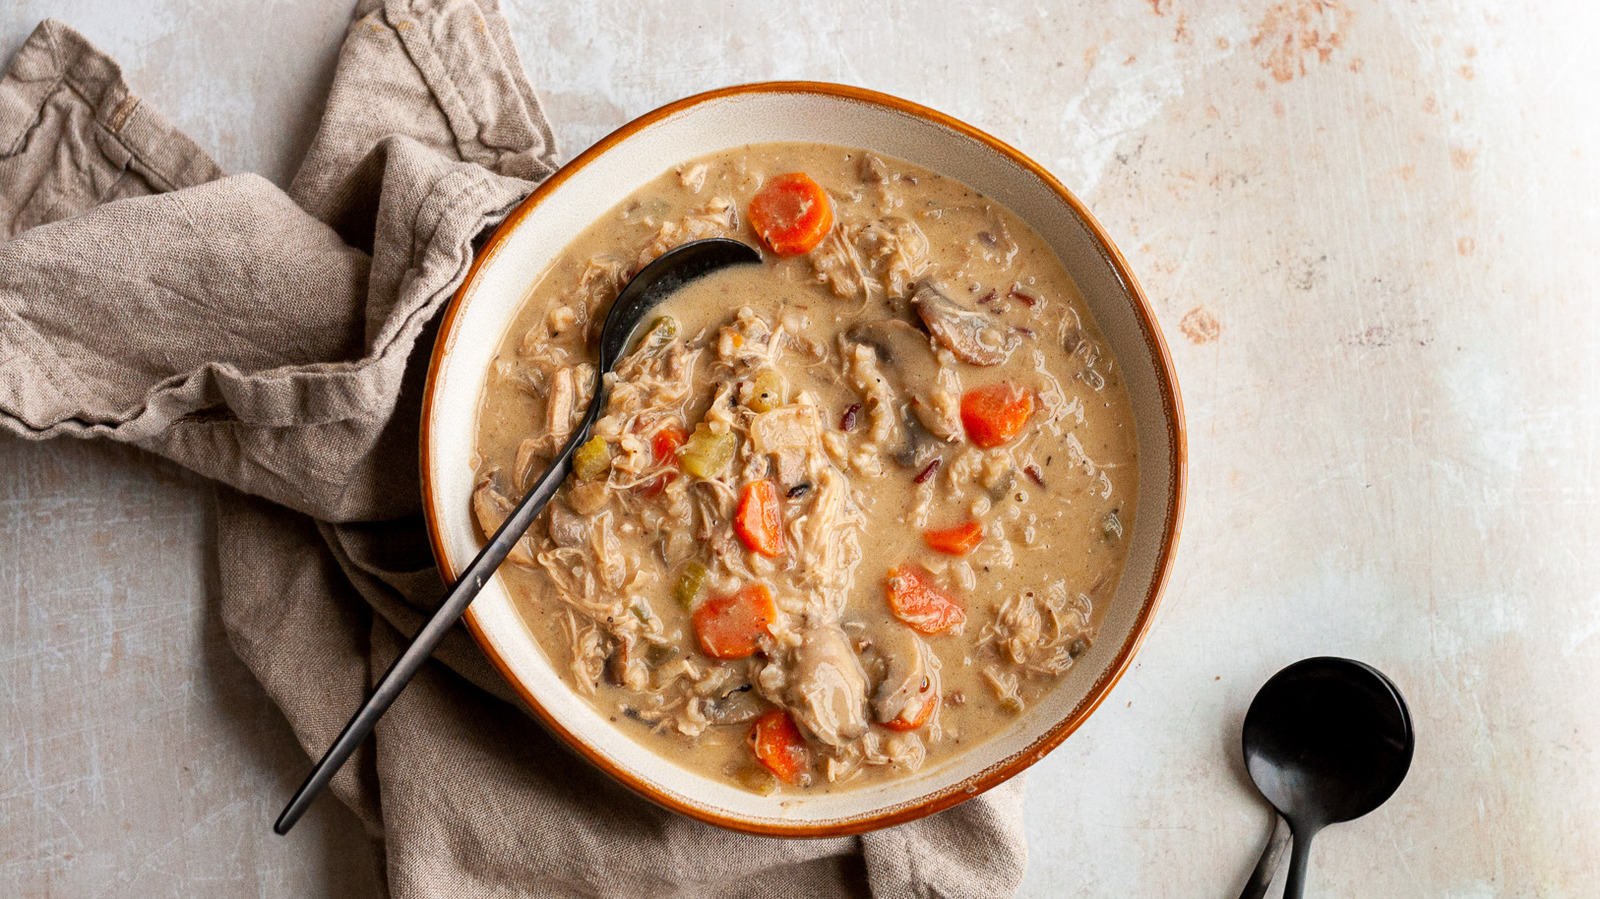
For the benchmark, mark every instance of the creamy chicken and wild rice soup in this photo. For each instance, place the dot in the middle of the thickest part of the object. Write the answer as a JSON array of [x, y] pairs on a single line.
[[849, 511]]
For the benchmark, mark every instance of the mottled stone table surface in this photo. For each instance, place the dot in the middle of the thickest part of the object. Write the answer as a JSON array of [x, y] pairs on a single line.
[[1371, 233]]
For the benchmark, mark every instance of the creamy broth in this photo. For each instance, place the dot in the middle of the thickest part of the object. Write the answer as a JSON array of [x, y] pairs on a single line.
[[828, 442]]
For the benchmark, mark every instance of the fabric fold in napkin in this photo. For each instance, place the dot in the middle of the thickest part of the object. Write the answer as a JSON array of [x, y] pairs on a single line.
[[277, 342]]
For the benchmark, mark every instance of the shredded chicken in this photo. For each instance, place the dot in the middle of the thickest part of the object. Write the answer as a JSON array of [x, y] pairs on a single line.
[[588, 653], [903, 751], [975, 337], [838, 264], [879, 258], [940, 412], [824, 686], [693, 177], [898, 252], [1034, 634], [717, 218], [877, 397]]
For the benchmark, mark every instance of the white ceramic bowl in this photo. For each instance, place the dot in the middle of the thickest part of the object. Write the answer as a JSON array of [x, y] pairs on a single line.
[[537, 231]]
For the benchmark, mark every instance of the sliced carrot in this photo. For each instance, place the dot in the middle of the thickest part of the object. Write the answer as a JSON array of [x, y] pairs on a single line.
[[779, 746], [664, 446], [728, 626], [995, 414], [791, 213], [956, 541], [916, 598], [917, 717], [666, 442], [759, 521]]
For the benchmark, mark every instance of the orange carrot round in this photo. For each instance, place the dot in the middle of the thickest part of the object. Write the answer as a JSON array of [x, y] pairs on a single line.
[[791, 213], [729, 626], [779, 747], [759, 521], [956, 541], [916, 599], [667, 441], [995, 414], [663, 447]]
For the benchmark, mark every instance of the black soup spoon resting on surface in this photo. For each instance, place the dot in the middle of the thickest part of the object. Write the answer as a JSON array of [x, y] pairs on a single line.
[[1326, 740], [647, 289]]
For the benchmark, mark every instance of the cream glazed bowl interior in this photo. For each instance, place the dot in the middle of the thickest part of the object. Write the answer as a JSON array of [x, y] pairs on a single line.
[[536, 233]]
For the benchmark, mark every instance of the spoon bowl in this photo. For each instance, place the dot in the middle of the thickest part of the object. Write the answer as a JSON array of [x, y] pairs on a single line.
[[1326, 740]]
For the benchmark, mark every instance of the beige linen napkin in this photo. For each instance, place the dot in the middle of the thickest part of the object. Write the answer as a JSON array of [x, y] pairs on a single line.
[[276, 342]]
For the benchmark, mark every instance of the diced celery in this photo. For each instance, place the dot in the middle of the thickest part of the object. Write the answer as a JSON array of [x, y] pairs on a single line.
[[592, 459], [707, 454], [767, 391], [690, 584], [757, 780], [660, 332]]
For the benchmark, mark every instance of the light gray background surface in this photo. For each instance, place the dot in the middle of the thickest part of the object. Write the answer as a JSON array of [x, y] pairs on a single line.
[[1371, 233]]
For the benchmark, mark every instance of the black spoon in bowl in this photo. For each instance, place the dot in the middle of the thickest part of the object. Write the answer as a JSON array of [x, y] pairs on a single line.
[[1326, 740], [645, 291]]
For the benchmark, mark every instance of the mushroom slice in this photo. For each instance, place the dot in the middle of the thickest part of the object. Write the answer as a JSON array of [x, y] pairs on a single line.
[[737, 706], [908, 361], [898, 344], [626, 667], [921, 445], [529, 462], [568, 529], [912, 681], [492, 509], [973, 336], [827, 689]]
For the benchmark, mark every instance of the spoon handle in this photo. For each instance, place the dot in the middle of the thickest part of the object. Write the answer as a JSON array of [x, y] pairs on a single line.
[[1298, 858], [466, 588], [1271, 857]]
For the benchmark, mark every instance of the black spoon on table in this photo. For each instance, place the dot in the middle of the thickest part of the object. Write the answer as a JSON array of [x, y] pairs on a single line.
[[1326, 740], [645, 291]]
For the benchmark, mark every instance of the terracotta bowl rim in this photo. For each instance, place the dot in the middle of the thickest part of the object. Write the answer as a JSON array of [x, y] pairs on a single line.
[[995, 774]]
